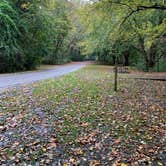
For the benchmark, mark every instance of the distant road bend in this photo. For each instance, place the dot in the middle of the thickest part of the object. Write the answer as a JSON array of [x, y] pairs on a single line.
[[13, 79]]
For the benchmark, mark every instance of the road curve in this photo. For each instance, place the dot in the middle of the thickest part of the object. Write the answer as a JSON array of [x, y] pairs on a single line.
[[11, 80]]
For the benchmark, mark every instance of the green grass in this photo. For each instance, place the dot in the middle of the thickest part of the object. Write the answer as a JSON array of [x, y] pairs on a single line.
[[82, 112]]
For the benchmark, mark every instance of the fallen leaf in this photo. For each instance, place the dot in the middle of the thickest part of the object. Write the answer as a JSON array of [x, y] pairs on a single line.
[[94, 163], [117, 141], [84, 124], [123, 164]]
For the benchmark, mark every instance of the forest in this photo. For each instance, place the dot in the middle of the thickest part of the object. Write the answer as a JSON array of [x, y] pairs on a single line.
[[82, 82], [130, 33]]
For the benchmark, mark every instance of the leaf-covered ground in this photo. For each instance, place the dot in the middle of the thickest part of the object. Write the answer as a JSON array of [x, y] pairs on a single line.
[[78, 120]]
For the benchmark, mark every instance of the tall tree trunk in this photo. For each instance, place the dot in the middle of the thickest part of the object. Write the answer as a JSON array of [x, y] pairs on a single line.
[[126, 58], [145, 54], [116, 75], [147, 64], [114, 59], [158, 66]]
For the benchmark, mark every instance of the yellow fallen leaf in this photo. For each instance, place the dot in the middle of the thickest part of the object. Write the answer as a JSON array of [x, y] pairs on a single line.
[[65, 164], [94, 163], [159, 163], [149, 137], [79, 152], [123, 164], [44, 149]]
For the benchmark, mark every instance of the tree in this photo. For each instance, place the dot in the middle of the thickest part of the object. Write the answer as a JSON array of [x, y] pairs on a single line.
[[9, 38], [118, 28], [33, 32]]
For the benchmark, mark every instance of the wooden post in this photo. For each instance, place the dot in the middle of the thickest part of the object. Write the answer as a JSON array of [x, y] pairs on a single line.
[[116, 76]]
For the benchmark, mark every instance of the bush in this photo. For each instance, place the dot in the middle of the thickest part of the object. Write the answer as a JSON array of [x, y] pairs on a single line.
[[162, 66]]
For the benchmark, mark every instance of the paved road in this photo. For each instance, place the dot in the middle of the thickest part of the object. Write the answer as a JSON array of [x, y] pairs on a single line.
[[10, 80]]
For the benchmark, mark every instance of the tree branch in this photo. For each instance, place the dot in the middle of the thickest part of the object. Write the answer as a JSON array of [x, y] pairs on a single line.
[[152, 7], [138, 8]]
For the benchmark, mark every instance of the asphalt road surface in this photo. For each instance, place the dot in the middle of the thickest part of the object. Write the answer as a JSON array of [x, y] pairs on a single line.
[[15, 79]]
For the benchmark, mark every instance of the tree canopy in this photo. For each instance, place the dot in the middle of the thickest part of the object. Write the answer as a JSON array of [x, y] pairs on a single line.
[[125, 28], [57, 31]]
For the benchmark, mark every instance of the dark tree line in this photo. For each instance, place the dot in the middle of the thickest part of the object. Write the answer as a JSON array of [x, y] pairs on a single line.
[[34, 32]]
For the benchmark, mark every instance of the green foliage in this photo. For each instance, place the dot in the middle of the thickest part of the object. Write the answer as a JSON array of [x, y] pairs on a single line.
[[9, 35], [124, 29], [33, 32], [162, 65], [57, 31]]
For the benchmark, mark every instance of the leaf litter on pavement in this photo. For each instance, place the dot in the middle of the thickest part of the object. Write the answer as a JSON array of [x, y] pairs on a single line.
[[77, 119]]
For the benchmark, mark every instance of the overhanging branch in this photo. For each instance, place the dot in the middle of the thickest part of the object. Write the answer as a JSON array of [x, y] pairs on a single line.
[[141, 8], [152, 7], [137, 9]]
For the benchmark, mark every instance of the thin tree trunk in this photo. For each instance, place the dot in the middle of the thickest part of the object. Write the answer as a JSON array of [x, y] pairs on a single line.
[[158, 66], [145, 54], [126, 58], [147, 65], [116, 76]]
